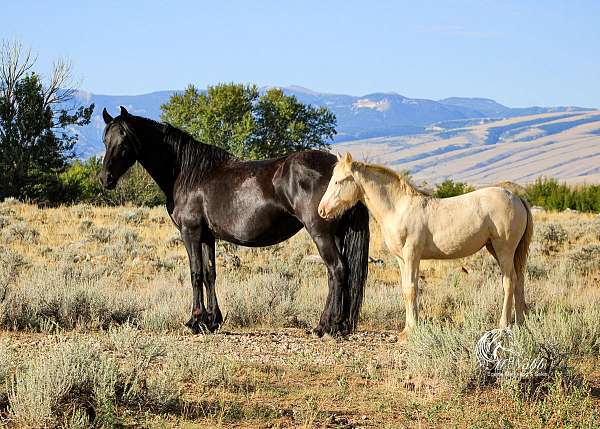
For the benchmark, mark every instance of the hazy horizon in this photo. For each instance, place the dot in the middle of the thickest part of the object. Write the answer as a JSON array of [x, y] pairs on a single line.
[[81, 89]]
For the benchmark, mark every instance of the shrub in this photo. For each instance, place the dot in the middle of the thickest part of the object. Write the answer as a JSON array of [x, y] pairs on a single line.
[[20, 231], [4, 221], [42, 389], [445, 352], [80, 181], [449, 188], [127, 339], [569, 330], [265, 299], [67, 297], [77, 384], [551, 236], [552, 195], [80, 184], [585, 260], [135, 215]]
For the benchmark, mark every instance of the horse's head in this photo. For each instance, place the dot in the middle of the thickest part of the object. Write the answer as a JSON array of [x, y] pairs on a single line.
[[120, 148], [342, 192]]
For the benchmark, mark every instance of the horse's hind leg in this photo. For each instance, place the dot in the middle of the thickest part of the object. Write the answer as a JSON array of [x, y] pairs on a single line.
[[520, 305], [505, 258], [519, 301], [490, 249], [334, 319], [214, 316]]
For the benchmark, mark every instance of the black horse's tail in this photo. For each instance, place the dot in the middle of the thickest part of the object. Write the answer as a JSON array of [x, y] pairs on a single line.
[[355, 230]]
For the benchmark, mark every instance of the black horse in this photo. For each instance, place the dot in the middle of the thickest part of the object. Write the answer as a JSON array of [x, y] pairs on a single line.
[[213, 195]]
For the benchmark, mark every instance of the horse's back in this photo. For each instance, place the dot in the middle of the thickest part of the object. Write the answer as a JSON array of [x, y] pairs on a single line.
[[490, 199]]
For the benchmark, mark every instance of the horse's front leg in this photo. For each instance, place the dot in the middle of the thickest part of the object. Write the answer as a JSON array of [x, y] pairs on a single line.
[[192, 237], [215, 318], [410, 277]]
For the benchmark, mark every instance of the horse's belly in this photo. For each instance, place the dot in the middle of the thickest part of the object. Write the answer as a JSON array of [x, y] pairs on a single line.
[[452, 253], [457, 244], [256, 227]]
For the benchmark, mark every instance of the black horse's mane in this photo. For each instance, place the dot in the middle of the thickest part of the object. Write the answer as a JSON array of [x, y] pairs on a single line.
[[192, 158]]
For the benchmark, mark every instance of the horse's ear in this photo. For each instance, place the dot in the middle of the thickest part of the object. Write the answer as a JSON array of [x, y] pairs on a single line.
[[124, 112], [339, 156], [106, 116], [348, 158]]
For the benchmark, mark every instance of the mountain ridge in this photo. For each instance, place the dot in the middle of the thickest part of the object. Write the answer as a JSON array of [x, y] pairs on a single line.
[[377, 114]]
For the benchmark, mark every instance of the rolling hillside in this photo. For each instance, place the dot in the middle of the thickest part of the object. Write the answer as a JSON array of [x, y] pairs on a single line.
[[565, 145]]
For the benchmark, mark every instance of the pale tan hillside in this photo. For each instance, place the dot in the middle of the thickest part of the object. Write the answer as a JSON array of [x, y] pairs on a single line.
[[564, 145]]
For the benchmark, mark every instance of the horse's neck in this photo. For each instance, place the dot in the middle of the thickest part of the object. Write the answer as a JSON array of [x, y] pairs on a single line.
[[158, 160], [382, 197], [178, 165]]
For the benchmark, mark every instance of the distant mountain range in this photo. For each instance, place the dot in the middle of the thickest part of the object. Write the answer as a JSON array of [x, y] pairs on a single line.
[[368, 116]]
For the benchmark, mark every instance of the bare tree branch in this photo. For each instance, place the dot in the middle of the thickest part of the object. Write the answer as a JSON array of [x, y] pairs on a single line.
[[15, 62], [60, 87]]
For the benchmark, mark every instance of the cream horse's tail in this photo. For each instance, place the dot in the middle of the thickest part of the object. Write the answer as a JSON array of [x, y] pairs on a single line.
[[520, 260]]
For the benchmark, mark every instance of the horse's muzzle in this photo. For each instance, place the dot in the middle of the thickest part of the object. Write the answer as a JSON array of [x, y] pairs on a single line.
[[323, 212], [107, 180]]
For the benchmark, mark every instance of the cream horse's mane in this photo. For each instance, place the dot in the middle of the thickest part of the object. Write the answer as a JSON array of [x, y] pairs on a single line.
[[403, 183]]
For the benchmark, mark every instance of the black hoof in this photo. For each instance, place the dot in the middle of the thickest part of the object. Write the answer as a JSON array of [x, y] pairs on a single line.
[[194, 325], [214, 321], [333, 329], [339, 330], [198, 322], [205, 322], [319, 331]]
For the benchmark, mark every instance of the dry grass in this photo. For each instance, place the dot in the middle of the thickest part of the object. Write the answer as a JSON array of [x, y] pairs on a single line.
[[92, 302]]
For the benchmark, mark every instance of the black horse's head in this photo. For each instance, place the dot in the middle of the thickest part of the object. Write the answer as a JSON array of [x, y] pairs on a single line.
[[120, 148]]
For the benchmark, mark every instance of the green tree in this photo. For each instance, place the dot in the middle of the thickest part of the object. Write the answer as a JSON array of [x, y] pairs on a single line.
[[221, 116], [252, 126], [35, 141], [285, 125], [449, 188]]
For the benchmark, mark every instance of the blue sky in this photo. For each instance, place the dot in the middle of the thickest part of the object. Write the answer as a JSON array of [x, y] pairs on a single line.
[[517, 52]]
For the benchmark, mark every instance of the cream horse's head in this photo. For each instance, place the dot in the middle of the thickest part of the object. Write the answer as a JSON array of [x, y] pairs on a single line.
[[342, 192]]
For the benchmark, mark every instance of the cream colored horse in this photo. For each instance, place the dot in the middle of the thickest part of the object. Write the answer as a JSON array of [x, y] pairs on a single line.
[[416, 226]]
